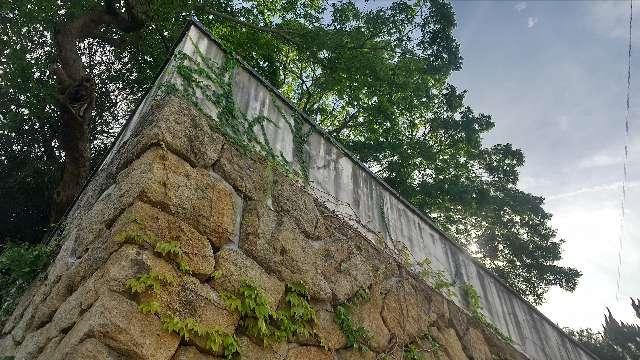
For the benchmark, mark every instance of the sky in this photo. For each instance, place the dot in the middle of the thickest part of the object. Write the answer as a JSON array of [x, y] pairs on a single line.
[[553, 76]]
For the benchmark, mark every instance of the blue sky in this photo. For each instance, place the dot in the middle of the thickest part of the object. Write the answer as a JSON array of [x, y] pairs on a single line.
[[553, 76]]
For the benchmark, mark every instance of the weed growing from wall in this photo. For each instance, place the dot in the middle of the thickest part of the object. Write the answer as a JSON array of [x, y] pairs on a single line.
[[418, 350], [357, 335], [135, 236], [438, 279], [169, 250], [215, 340], [293, 319], [150, 307], [151, 281]]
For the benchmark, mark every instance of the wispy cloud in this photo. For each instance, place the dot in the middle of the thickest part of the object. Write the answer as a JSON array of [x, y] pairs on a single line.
[[520, 6], [599, 160], [616, 186], [532, 21]]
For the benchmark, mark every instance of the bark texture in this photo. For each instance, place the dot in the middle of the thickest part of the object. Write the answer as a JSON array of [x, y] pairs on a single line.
[[76, 95]]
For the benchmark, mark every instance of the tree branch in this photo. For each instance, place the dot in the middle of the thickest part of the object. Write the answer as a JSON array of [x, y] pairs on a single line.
[[345, 124], [283, 33]]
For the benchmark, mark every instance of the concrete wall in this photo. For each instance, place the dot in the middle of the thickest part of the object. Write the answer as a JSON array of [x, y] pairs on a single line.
[[352, 189]]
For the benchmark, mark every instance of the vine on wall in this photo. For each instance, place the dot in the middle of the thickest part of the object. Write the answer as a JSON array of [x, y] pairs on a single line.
[[357, 335], [204, 78], [472, 298]]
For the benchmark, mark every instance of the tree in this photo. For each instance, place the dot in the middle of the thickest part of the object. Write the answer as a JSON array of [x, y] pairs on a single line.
[[374, 77], [625, 338], [617, 340], [596, 342]]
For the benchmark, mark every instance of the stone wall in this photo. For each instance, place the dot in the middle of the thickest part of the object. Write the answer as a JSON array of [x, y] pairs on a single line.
[[227, 220]]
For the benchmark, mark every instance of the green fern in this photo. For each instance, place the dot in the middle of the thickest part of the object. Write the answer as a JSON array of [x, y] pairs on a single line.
[[135, 236], [216, 275], [258, 320], [357, 336], [150, 281], [215, 340], [183, 266], [150, 307], [171, 248]]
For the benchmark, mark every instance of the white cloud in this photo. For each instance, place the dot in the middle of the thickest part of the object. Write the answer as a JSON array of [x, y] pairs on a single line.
[[532, 21], [589, 221], [520, 6]]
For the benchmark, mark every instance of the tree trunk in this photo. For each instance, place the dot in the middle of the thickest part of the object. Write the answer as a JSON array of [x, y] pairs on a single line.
[[76, 95], [74, 140]]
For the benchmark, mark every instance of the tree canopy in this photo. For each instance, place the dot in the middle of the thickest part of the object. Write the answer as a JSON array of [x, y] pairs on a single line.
[[617, 340], [375, 77]]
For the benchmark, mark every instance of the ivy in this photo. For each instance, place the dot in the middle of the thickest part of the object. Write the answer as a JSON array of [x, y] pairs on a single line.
[[293, 319], [438, 279], [357, 336], [301, 132], [472, 299], [204, 78]]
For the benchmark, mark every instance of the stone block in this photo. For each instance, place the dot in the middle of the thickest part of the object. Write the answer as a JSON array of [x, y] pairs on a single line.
[[116, 322], [192, 353], [236, 269], [92, 349], [308, 353], [290, 198], [180, 128], [250, 350], [367, 314], [353, 354], [196, 196], [449, 343], [189, 298], [248, 173], [156, 226], [474, 345], [406, 311], [279, 247], [328, 331]]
